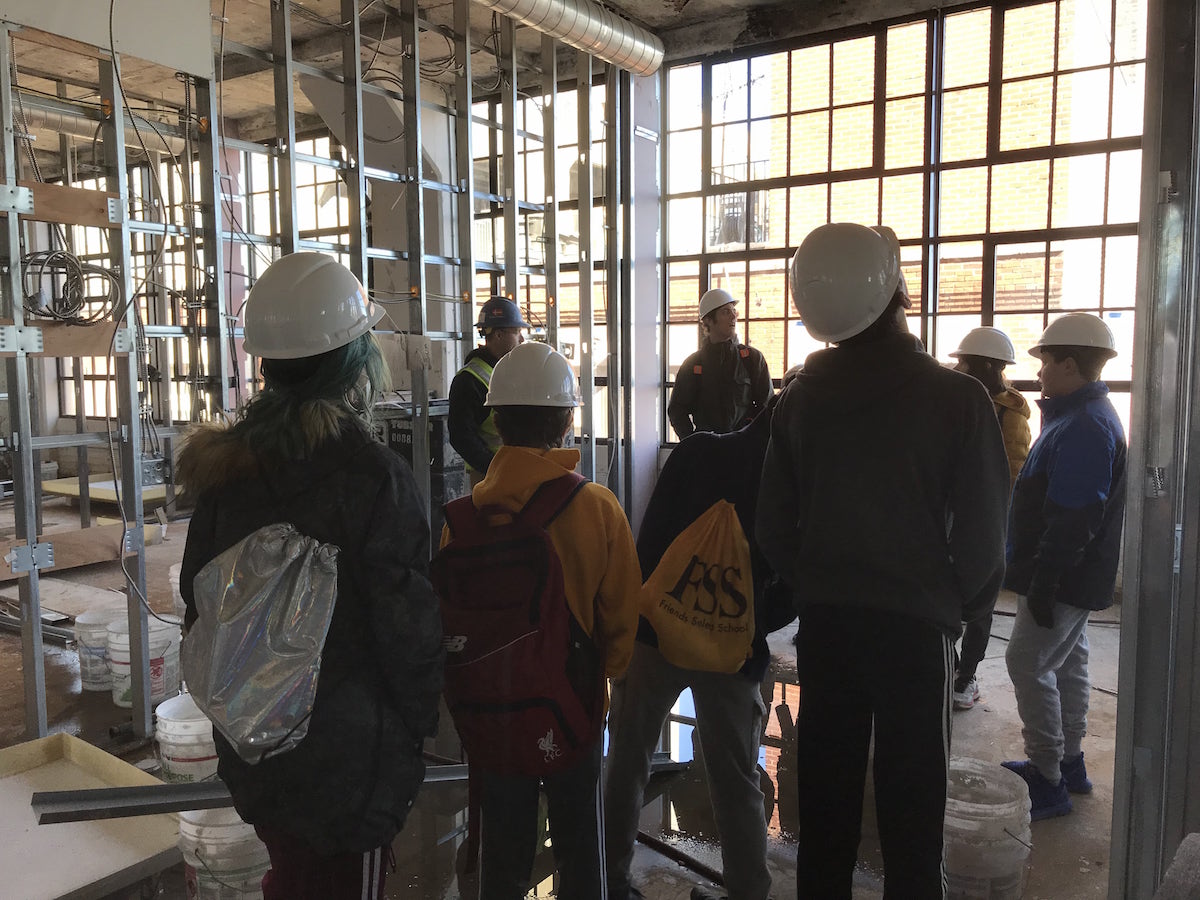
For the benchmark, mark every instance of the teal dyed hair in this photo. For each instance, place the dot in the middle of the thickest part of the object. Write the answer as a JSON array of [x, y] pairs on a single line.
[[306, 402]]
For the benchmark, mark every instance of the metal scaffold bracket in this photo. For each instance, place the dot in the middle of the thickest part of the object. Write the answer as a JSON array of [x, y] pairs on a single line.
[[16, 199], [123, 342], [116, 211], [26, 557], [15, 339], [133, 539]]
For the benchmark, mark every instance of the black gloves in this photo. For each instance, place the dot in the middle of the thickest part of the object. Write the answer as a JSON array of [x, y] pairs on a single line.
[[1041, 607]]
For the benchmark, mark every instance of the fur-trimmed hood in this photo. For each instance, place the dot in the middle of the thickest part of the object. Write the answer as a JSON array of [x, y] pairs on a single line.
[[213, 455], [217, 454]]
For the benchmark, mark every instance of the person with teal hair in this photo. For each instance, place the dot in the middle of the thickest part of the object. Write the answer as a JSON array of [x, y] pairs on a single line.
[[302, 452]]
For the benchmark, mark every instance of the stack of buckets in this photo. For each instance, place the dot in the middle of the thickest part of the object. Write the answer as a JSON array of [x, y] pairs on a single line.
[[987, 835], [91, 637], [102, 636], [223, 857]]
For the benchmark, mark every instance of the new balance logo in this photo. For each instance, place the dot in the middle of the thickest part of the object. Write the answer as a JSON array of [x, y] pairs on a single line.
[[546, 745], [454, 643]]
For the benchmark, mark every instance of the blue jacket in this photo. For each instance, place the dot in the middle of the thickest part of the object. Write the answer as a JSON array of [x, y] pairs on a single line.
[[1068, 505]]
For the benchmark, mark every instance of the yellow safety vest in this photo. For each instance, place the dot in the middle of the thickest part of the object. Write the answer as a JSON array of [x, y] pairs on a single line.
[[482, 370]]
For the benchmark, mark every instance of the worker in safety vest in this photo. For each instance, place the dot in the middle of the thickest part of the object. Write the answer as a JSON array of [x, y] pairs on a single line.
[[472, 425]]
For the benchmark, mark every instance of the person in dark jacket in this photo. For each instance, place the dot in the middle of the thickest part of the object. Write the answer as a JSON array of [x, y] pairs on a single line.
[[983, 354], [724, 384], [882, 506], [301, 452], [472, 425], [703, 469], [1064, 543]]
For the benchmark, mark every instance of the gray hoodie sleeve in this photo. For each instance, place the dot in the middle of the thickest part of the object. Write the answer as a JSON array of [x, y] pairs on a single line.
[[776, 525], [978, 510]]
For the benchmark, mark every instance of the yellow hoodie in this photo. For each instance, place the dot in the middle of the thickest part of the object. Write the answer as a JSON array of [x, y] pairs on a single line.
[[601, 575]]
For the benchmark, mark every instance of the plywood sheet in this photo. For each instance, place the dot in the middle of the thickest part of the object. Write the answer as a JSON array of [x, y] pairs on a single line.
[[100, 488], [75, 859], [68, 597]]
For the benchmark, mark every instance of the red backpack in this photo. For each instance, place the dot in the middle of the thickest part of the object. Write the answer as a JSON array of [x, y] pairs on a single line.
[[523, 680]]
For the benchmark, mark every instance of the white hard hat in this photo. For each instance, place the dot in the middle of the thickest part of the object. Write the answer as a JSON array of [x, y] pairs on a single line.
[[988, 342], [843, 278], [1076, 330], [305, 304], [714, 299], [532, 374]]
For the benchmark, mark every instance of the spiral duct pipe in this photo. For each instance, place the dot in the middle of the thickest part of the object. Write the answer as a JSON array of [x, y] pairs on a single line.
[[588, 26]]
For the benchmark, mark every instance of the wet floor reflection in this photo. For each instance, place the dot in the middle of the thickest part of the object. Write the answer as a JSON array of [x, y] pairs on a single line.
[[431, 851]]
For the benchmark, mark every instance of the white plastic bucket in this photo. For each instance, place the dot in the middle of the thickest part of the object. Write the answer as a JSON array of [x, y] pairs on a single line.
[[185, 740], [165, 636], [176, 595], [987, 835], [223, 857], [91, 639]]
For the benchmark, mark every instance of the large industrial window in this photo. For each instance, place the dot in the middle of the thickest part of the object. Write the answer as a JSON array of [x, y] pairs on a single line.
[[1002, 144]]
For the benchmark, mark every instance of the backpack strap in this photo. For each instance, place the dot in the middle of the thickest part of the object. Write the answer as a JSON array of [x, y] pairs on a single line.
[[551, 498], [466, 520]]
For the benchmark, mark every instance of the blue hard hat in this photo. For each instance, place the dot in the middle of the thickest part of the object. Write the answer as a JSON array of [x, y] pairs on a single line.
[[500, 312]]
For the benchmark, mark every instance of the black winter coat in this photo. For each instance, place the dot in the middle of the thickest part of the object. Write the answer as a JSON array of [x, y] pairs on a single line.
[[885, 485], [348, 786], [700, 471], [719, 388]]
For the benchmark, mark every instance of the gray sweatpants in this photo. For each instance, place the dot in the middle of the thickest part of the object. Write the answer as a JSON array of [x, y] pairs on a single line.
[[1049, 672], [729, 720]]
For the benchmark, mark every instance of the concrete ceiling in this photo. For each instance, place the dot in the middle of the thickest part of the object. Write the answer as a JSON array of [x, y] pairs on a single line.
[[688, 28]]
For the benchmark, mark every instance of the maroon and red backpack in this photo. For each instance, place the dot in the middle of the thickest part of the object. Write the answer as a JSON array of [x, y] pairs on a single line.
[[524, 682]]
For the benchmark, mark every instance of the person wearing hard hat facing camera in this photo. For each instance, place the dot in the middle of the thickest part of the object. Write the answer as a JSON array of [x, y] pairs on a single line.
[[882, 506], [724, 384], [472, 425], [301, 452], [1064, 543], [497, 696], [983, 353]]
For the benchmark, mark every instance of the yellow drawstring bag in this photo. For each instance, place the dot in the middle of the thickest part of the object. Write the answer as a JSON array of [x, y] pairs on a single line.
[[700, 597]]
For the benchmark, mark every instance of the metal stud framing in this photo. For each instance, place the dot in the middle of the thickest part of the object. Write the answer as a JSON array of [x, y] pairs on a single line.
[[129, 422], [587, 375], [220, 362], [19, 416], [508, 154], [285, 124], [614, 320], [354, 178], [549, 160], [464, 162], [409, 29]]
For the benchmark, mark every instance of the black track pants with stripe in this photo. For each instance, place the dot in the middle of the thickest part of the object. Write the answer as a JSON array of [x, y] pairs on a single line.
[[860, 671]]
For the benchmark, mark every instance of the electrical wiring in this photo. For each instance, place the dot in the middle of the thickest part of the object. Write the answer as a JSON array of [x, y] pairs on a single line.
[[379, 43], [75, 274]]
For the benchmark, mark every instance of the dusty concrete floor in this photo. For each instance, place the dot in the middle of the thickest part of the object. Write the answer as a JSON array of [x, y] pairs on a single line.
[[1069, 858]]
